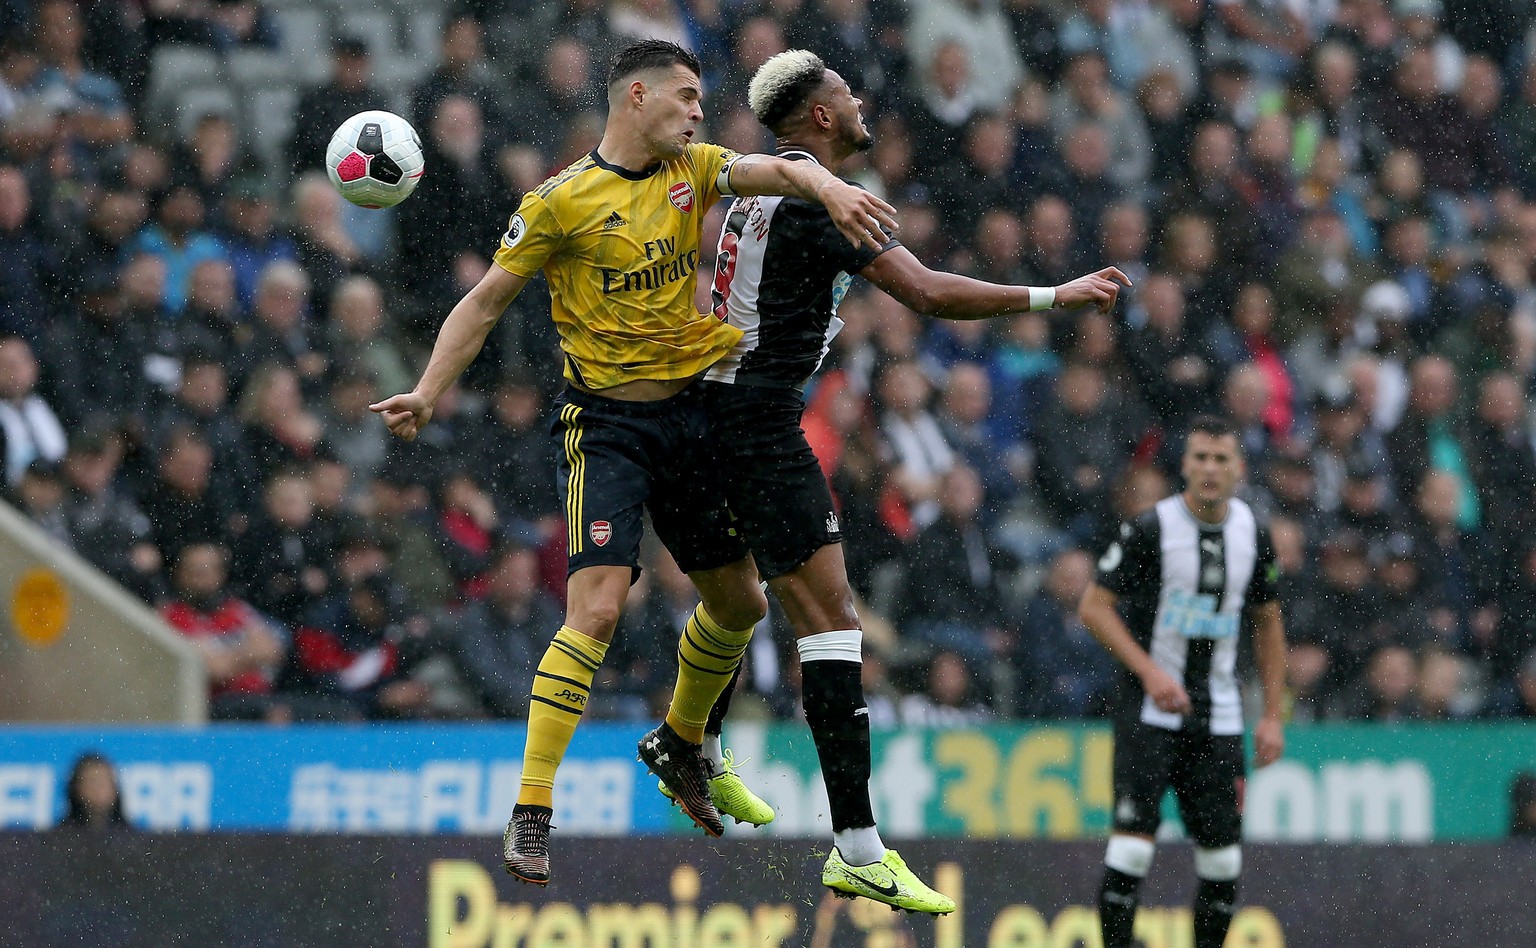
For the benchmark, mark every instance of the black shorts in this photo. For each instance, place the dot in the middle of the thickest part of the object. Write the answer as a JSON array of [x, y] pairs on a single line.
[[1205, 771], [616, 458], [773, 482]]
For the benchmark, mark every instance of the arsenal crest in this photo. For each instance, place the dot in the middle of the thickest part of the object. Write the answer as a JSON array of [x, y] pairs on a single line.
[[681, 195], [601, 530]]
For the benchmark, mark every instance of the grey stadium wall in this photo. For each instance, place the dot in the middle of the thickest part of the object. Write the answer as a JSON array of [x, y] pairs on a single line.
[[74, 646]]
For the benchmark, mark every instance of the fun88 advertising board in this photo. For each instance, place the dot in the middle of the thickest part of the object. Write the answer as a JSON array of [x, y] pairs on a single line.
[[331, 779]]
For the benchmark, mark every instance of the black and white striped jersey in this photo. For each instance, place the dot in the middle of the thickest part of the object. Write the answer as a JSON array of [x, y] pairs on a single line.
[[1183, 586], [781, 271]]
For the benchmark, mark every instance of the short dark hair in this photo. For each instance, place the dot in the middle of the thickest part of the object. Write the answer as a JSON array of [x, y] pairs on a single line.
[[650, 54], [1214, 426]]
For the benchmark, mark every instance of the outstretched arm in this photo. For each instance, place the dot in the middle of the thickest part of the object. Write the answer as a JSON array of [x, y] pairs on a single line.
[[459, 340], [862, 217], [951, 296]]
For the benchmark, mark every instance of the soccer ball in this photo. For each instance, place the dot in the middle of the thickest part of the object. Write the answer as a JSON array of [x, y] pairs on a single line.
[[374, 159]]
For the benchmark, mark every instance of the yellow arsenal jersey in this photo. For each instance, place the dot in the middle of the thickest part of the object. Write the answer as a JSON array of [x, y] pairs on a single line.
[[620, 249]]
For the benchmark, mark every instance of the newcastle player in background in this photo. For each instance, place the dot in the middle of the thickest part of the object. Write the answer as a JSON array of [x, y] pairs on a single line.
[[782, 269], [1173, 593]]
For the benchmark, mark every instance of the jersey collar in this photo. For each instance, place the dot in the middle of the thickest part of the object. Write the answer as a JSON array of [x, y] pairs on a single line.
[[1204, 524], [796, 154], [640, 175]]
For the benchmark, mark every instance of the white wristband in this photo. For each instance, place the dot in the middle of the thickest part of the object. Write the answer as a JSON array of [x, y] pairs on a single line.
[[1041, 297]]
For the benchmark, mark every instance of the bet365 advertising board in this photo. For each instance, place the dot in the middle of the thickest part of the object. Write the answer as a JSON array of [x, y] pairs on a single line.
[[1410, 784]]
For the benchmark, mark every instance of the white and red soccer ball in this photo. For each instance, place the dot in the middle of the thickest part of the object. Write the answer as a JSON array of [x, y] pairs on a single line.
[[374, 159]]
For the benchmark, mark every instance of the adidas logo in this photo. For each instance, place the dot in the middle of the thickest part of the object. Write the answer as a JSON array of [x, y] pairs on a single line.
[[614, 220]]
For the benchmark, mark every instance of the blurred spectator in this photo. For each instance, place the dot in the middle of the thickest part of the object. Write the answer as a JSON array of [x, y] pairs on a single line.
[[1086, 96], [1209, 185], [1428, 437], [1135, 38], [1516, 696], [351, 430], [1458, 558], [240, 652], [914, 440], [1514, 634], [1065, 669], [1190, 255], [403, 514], [347, 653], [325, 250], [1500, 456], [1342, 444], [251, 237], [1270, 36], [495, 640], [1317, 272], [107, 525], [463, 209], [179, 238], [995, 455], [1083, 437], [464, 71], [210, 159], [40, 495], [467, 524], [201, 401], [23, 304], [1518, 122], [93, 801], [954, 575], [96, 356], [979, 28], [1336, 614], [515, 454], [28, 426], [221, 24], [1415, 114], [949, 698], [182, 502], [97, 113], [361, 337], [279, 331], [280, 429], [1170, 127], [1439, 696], [321, 109], [1384, 693], [278, 561], [1169, 359]]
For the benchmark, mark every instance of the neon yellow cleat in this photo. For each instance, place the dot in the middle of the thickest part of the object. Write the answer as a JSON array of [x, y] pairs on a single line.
[[888, 881], [731, 796]]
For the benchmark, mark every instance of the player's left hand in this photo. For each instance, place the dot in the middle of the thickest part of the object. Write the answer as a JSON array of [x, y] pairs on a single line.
[[1099, 289], [1268, 741], [862, 217]]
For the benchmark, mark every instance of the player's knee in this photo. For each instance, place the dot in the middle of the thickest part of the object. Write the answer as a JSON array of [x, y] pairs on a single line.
[[596, 618], [1131, 855], [1219, 865], [743, 609]]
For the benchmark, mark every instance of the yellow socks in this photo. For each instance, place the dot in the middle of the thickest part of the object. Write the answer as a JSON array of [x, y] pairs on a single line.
[[560, 690], [707, 655]]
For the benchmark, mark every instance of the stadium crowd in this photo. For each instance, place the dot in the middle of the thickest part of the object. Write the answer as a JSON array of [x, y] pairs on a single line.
[[1328, 208]]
